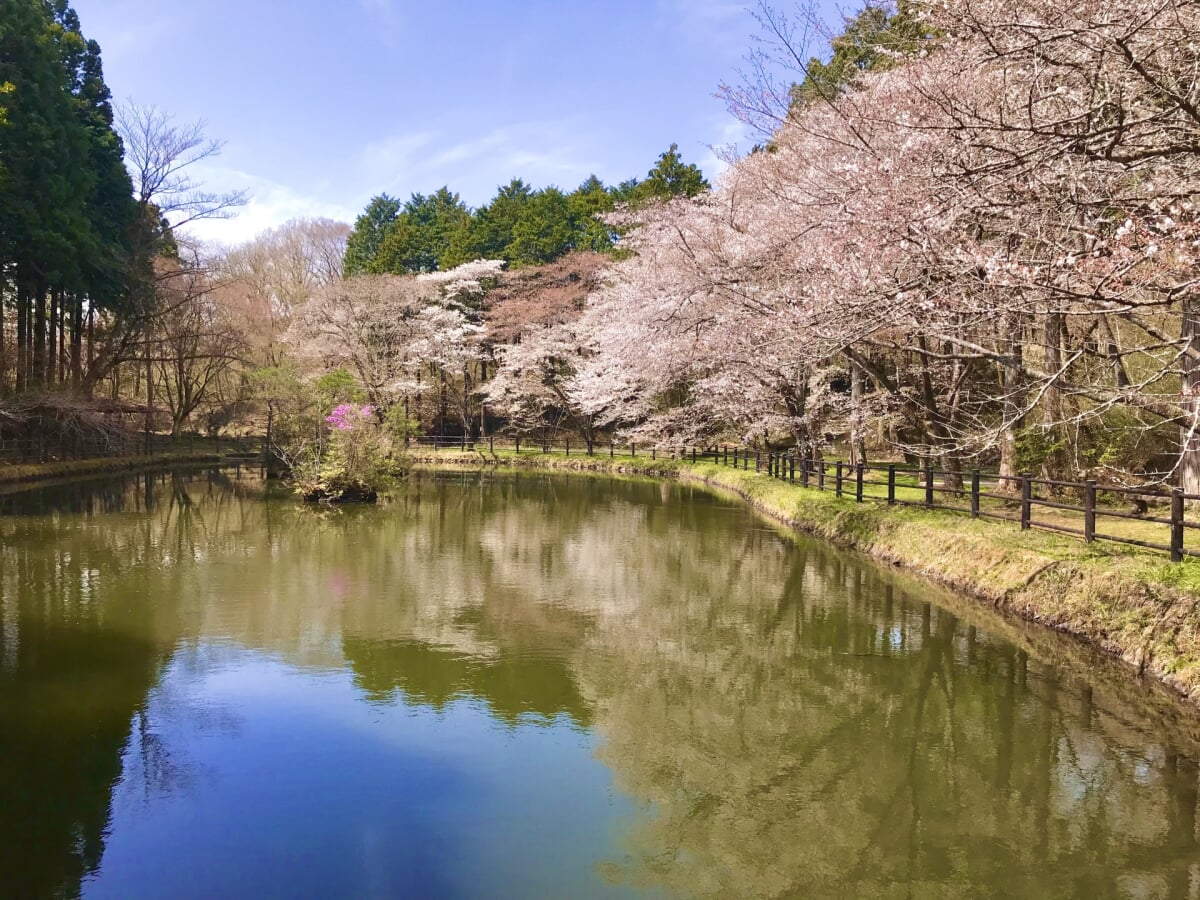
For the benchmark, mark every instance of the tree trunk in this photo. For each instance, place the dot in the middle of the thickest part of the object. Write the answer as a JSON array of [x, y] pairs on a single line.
[[1189, 462], [22, 336], [1056, 463], [38, 374], [62, 342], [149, 395], [52, 342], [858, 440], [3, 349], [1011, 405], [77, 343]]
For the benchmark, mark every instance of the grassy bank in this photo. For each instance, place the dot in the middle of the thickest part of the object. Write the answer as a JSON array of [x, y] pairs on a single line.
[[69, 468], [1133, 604]]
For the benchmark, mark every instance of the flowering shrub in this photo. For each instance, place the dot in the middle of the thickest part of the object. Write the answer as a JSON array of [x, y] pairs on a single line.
[[348, 416], [357, 458]]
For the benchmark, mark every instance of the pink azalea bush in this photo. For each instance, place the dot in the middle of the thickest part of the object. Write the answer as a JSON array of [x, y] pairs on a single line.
[[357, 457], [348, 416]]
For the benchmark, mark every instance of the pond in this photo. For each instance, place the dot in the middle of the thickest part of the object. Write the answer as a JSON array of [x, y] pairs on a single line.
[[537, 686]]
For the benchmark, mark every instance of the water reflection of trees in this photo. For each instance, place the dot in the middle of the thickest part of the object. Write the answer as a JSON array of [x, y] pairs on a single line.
[[797, 723], [82, 641], [845, 740], [800, 723]]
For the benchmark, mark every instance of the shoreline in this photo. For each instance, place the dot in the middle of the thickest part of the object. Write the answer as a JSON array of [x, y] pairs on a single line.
[[33, 473], [1133, 606]]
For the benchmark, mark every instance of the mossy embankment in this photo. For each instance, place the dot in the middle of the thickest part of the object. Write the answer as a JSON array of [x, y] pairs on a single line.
[[1132, 604], [71, 468]]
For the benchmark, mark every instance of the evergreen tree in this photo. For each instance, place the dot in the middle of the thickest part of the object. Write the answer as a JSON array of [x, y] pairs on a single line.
[[881, 36], [670, 177], [420, 238], [491, 231], [369, 231], [590, 200], [65, 197], [544, 230]]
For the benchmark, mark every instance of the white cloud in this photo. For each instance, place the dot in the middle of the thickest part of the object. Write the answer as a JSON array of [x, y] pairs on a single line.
[[558, 152], [731, 139], [270, 205]]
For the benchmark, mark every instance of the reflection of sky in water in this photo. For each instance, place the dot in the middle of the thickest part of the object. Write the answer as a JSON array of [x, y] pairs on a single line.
[[294, 787], [541, 686]]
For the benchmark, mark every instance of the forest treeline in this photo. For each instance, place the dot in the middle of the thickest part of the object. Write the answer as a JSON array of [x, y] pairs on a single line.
[[69, 223], [967, 233], [92, 274], [520, 225]]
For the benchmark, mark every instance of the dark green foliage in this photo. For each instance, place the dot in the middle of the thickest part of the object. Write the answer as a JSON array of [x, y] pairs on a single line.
[[421, 237], [590, 200], [491, 229], [883, 35], [523, 226], [369, 231], [544, 231], [66, 206], [670, 177]]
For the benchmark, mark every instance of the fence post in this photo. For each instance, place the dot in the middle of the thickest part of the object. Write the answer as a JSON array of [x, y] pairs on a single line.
[[820, 475], [464, 441], [837, 482], [633, 450], [1089, 511], [975, 494], [491, 444], [1026, 502], [612, 449], [568, 446], [518, 443], [693, 456], [654, 452], [792, 467], [726, 449], [1177, 508], [929, 484], [757, 460], [892, 485], [858, 485]]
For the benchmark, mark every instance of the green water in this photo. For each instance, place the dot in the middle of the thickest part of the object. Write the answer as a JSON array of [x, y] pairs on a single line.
[[542, 687]]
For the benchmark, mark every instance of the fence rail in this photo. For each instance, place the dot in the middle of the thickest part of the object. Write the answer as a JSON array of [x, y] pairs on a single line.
[[1083, 509]]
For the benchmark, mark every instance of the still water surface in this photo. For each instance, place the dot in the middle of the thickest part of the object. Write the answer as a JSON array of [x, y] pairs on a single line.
[[542, 687]]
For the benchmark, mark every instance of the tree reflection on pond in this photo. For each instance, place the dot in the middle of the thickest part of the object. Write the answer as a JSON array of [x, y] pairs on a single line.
[[786, 719]]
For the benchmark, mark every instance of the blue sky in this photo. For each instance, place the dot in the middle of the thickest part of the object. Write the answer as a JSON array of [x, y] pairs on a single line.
[[325, 103]]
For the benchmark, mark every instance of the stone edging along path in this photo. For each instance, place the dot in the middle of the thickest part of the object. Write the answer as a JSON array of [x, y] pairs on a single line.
[[1133, 605]]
